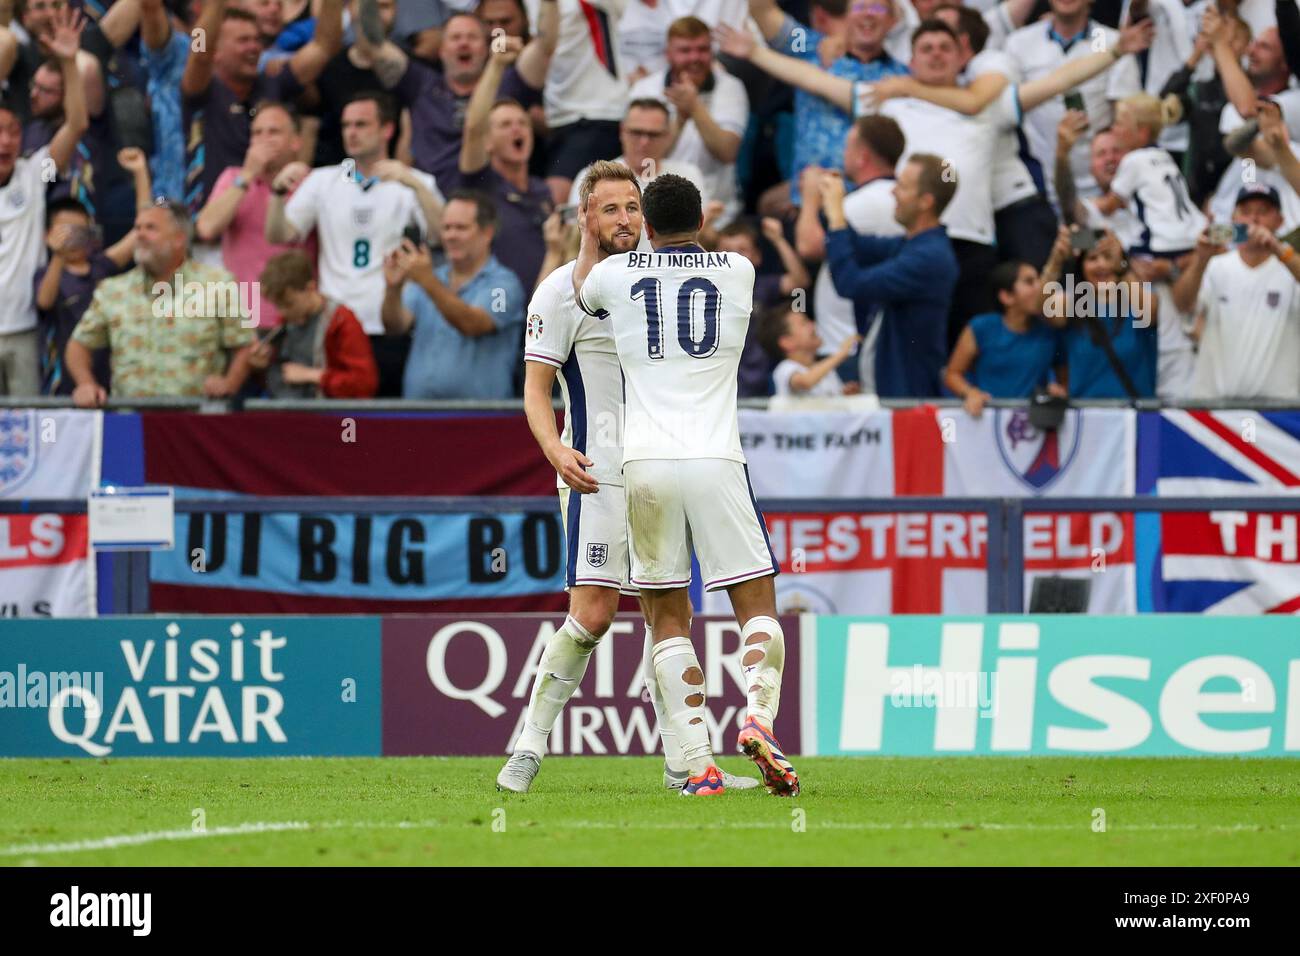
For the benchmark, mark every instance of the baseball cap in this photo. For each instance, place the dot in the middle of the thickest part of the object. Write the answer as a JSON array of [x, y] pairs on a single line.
[[1259, 191]]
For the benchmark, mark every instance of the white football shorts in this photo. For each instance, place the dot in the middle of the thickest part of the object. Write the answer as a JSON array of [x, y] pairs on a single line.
[[595, 536], [705, 503]]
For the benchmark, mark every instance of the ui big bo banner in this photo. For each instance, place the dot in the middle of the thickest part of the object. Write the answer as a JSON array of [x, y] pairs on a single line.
[[331, 561], [45, 569], [860, 562], [1224, 561]]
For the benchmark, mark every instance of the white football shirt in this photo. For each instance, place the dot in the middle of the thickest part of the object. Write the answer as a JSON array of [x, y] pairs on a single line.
[[1288, 100], [581, 346], [1012, 181], [357, 224], [1122, 222], [728, 104], [22, 240], [869, 210], [1038, 52], [585, 79], [1170, 50], [828, 386], [969, 141], [680, 317], [1153, 186], [1250, 347]]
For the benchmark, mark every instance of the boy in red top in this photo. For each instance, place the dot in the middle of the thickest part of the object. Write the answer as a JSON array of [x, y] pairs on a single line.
[[320, 350]]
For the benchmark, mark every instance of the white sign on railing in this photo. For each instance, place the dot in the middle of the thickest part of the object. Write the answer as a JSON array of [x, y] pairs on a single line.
[[131, 519]]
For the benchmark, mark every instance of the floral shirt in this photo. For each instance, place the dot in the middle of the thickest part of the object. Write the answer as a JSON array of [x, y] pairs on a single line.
[[167, 337], [822, 127]]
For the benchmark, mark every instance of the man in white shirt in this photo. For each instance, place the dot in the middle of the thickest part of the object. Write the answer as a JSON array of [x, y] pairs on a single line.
[[585, 89], [1171, 48], [565, 344], [1104, 155], [680, 316], [971, 142], [871, 153], [1272, 162], [1265, 75], [708, 108], [643, 27], [1069, 34], [1247, 308], [1023, 219], [359, 210], [645, 134]]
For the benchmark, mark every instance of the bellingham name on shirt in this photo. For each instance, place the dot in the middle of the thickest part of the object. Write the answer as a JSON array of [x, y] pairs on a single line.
[[678, 260]]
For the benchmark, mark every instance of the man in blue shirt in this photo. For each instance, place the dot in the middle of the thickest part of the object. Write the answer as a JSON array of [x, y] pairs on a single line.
[[465, 317], [820, 126], [908, 281]]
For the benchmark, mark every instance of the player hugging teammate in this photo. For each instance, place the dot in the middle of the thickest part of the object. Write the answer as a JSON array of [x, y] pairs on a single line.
[[632, 514]]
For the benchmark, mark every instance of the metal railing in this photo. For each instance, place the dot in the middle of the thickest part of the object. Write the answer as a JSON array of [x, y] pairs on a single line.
[[1005, 555], [376, 405]]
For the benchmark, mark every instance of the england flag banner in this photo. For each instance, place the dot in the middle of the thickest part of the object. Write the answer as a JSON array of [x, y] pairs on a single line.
[[848, 562], [1092, 454], [46, 569], [1229, 561], [819, 454]]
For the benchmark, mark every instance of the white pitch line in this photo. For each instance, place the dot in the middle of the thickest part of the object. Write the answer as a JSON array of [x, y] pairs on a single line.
[[140, 839], [159, 836]]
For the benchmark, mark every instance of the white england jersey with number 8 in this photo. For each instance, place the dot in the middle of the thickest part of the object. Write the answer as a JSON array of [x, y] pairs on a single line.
[[680, 316]]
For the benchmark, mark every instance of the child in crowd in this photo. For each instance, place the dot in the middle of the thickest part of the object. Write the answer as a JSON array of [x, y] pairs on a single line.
[[1007, 354], [791, 339], [320, 349], [769, 288], [66, 284]]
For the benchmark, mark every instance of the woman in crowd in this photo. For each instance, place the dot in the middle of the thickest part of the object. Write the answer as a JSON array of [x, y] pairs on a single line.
[[1108, 316]]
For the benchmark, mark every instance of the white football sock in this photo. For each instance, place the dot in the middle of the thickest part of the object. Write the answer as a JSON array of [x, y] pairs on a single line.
[[672, 750], [563, 663], [673, 658], [763, 674]]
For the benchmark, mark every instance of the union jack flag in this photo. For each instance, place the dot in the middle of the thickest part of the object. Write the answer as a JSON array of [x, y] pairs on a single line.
[[1222, 561]]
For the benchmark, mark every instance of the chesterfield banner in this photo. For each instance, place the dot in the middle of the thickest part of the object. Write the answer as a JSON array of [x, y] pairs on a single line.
[[459, 684], [1222, 561], [45, 568], [838, 562]]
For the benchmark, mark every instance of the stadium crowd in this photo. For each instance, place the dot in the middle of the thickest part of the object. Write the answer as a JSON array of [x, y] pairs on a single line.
[[348, 199]]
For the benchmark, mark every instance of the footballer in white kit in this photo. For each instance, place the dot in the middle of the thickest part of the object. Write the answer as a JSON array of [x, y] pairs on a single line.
[[680, 315], [561, 341]]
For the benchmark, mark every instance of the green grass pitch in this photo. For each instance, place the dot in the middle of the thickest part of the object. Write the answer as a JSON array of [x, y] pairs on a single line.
[[612, 811]]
